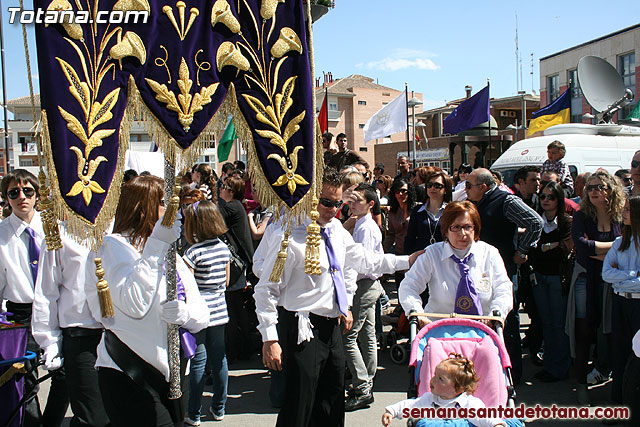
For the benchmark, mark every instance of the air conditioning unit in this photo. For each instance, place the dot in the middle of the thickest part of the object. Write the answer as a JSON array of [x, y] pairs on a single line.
[[507, 113]]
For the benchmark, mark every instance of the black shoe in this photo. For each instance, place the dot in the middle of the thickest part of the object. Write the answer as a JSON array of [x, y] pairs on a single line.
[[358, 402], [536, 359]]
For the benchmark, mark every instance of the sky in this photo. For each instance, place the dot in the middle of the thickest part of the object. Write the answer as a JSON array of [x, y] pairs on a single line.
[[436, 47]]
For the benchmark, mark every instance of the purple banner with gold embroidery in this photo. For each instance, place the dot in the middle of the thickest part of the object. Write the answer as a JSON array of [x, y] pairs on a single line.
[[192, 62]]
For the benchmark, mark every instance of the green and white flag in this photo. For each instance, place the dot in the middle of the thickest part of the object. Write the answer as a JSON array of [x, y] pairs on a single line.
[[226, 142], [635, 113]]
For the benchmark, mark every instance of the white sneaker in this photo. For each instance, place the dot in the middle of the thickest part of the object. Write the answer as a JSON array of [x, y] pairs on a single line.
[[595, 377], [191, 422], [215, 417]]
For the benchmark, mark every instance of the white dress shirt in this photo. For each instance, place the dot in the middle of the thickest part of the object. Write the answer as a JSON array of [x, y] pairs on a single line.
[[138, 289], [428, 400], [436, 268], [60, 299], [16, 283], [367, 232], [301, 293]]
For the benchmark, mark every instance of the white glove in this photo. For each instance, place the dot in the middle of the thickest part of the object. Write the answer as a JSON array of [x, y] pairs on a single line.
[[165, 234], [175, 312], [52, 358]]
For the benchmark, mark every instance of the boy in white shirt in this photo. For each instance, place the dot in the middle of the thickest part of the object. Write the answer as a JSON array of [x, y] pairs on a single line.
[[363, 360]]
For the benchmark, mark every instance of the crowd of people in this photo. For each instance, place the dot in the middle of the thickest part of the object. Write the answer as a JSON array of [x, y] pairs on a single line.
[[565, 249]]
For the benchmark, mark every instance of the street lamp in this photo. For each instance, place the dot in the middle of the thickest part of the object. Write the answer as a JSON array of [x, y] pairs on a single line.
[[413, 102]]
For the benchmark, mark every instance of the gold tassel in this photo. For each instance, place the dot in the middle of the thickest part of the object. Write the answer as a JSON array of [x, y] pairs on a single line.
[[174, 204], [104, 294], [49, 223], [278, 266], [312, 251]]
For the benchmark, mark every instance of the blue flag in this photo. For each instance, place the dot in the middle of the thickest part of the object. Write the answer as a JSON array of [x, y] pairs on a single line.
[[470, 113]]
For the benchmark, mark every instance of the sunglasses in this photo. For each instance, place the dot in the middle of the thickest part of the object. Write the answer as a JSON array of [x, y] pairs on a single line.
[[402, 191], [549, 197], [14, 193], [330, 204], [627, 180], [435, 185], [635, 163], [597, 187]]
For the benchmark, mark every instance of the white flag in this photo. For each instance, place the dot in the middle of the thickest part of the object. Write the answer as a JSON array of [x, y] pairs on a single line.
[[390, 119]]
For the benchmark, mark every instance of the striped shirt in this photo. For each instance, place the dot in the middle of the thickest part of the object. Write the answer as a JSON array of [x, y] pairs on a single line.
[[209, 261]]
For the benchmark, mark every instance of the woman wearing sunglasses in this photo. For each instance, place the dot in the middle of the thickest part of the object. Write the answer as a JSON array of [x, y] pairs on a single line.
[[622, 269], [595, 226], [424, 225], [401, 202], [554, 245]]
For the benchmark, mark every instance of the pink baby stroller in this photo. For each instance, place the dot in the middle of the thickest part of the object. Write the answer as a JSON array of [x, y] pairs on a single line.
[[464, 335]]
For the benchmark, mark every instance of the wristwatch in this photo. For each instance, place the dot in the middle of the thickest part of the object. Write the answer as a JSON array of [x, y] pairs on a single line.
[[521, 255]]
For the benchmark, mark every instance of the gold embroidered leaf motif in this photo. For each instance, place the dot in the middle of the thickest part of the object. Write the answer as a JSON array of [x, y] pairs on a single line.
[[202, 98], [85, 185], [276, 72], [74, 125], [164, 95], [95, 140], [101, 112], [184, 84], [293, 127], [289, 177], [274, 138], [78, 88], [264, 114], [283, 100]]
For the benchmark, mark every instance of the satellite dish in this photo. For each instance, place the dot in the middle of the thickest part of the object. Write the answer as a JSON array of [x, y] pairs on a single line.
[[602, 86]]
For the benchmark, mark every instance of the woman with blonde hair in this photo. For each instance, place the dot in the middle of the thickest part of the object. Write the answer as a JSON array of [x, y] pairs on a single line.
[[133, 365], [595, 226]]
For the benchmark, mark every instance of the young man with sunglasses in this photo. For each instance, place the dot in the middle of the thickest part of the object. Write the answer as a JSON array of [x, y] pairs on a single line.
[[301, 316], [21, 235]]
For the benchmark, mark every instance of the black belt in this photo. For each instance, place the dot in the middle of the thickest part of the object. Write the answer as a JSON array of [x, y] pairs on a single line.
[[78, 332]]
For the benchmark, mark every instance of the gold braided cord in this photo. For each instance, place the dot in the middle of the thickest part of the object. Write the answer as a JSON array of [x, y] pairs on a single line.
[[45, 204]]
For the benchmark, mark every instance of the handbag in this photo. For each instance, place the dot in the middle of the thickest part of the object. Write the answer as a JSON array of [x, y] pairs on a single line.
[[237, 266]]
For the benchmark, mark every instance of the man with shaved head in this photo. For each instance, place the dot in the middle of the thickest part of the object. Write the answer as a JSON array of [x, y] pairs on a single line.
[[502, 214]]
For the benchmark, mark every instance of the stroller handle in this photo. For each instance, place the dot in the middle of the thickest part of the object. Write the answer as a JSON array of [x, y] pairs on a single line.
[[495, 317]]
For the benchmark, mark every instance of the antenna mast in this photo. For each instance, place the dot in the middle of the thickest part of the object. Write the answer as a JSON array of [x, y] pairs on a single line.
[[518, 74]]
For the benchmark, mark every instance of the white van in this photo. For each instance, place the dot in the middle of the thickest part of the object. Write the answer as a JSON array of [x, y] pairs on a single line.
[[589, 147]]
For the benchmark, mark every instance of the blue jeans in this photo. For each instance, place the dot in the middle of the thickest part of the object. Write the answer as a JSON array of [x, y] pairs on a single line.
[[552, 308], [210, 343]]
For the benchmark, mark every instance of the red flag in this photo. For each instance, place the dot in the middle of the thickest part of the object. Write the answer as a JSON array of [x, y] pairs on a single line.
[[323, 117]]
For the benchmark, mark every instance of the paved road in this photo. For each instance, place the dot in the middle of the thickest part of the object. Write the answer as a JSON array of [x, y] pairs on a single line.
[[248, 402]]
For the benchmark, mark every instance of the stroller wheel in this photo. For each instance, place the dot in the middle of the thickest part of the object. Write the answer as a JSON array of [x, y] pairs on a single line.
[[398, 354]]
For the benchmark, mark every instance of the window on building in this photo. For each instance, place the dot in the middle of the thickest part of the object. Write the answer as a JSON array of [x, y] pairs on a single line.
[[553, 88], [26, 162], [1, 169], [361, 125], [1, 154], [362, 102], [333, 106], [362, 148], [576, 96], [627, 69], [386, 93]]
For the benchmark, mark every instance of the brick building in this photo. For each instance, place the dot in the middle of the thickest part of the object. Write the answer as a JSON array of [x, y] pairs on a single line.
[[620, 49], [351, 102]]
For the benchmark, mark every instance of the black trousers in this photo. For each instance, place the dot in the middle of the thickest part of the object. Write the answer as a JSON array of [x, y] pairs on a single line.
[[511, 331], [314, 390], [631, 388], [79, 351], [128, 404], [625, 322]]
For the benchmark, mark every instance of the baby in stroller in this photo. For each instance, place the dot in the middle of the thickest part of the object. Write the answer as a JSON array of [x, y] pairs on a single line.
[[452, 386]]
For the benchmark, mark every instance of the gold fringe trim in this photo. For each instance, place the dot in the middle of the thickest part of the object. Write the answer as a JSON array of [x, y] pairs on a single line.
[[104, 293], [49, 223], [174, 205], [80, 229], [278, 266]]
